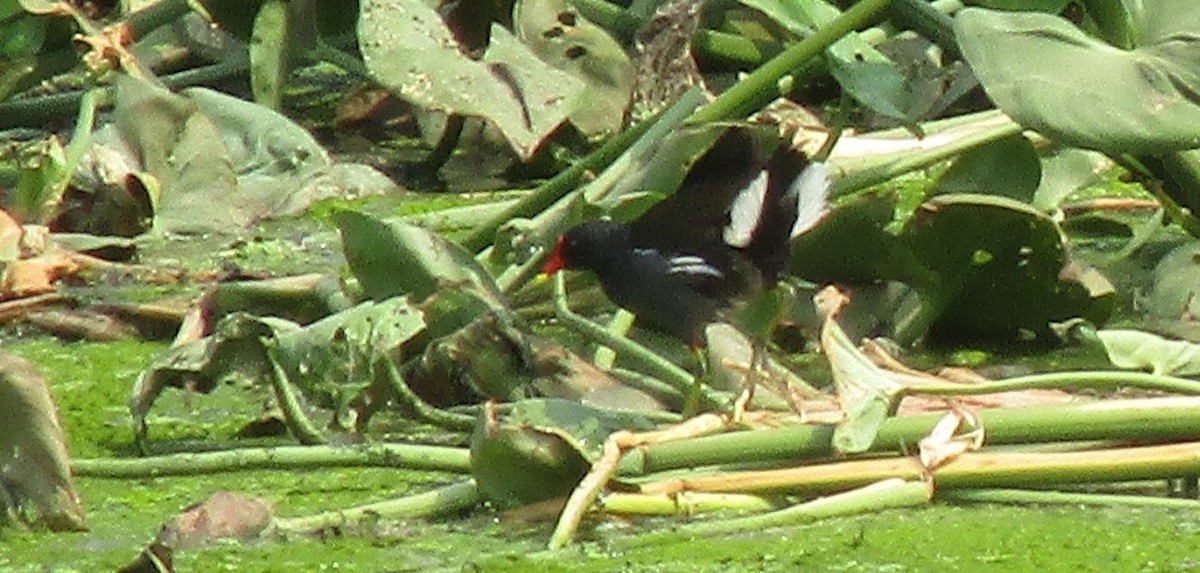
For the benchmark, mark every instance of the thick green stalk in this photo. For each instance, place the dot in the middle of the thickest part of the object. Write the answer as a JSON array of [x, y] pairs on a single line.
[[861, 166], [1151, 419], [652, 363], [1103, 379], [971, 470], [294, 418], [553, 189], [684, 504], [412, 404], [887, 494], [410, 456]]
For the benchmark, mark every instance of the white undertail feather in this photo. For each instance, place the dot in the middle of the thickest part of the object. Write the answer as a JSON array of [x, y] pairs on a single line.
[[811, 190], [745, 212]]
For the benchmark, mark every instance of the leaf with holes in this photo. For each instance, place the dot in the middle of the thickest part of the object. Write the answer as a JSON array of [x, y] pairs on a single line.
[[408, 48], [560, 36]]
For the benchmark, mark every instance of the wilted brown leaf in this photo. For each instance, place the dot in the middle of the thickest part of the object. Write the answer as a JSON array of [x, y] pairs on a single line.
[[34, 462], [224, 515]]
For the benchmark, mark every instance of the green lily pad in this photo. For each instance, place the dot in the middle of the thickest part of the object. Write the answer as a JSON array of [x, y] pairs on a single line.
[[851, 246], [866, 74], [332, 360], [1065, 171], [1139, 350], [998, 266], [396, 258], [1083, 92], [1176, 284], [1007, 167]]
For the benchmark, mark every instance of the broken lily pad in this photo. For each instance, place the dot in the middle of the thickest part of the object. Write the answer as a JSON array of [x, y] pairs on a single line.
[[542, 448]]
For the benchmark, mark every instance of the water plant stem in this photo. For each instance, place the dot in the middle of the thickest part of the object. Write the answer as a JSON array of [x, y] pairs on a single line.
[[452, 498], [409, 456], [885, 494], [635, 353]]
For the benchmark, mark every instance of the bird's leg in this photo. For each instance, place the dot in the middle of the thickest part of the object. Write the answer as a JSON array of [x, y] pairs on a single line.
[[758, 366]]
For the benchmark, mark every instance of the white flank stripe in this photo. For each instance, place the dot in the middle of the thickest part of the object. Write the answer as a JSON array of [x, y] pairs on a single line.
[[689, 265]]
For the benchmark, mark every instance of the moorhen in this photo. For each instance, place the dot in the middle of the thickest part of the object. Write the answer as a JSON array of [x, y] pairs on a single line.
[[721, 237]]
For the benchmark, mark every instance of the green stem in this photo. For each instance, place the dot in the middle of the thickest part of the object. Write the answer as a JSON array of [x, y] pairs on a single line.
[[1145, 420], [418, 408], [444, 150], [297, 423], [449, 499], [611, 17], [604, 358], [929, 21], [550, 191], [683, 504], [1065, 380], [655, 365], [761, 86], [407, 456], [646, 133], [970, 470], [649, 385], [861, 169], [888, 494]]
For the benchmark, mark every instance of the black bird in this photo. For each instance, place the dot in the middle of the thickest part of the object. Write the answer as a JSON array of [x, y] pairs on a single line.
[[723, 236]]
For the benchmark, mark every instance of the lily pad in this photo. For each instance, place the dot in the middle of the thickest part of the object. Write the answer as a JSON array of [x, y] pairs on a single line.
[[1083, 92], [852, 246], [1007, 167], [998, 266], [562, 37], [411, 51], [542, 448], [396, 258], [867, 75], [1142, 350]]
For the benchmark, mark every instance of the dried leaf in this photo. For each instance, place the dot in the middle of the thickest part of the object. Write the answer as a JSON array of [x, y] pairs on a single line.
[[224, 515], [944, 443], [34, 462]]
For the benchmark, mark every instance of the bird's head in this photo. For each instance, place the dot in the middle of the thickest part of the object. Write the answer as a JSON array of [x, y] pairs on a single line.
[[587, 246]]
